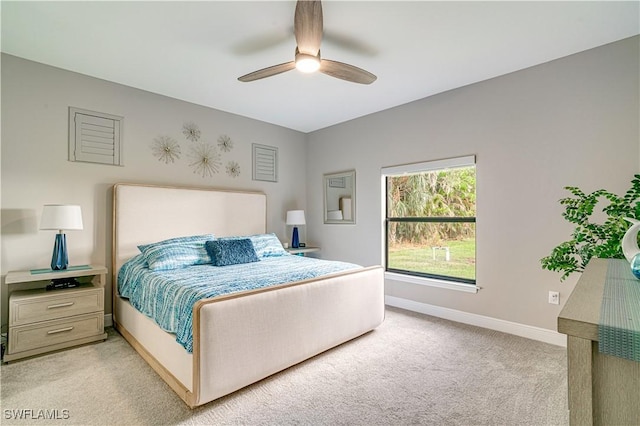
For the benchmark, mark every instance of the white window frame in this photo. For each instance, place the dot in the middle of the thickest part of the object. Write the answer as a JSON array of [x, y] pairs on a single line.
[[421, 167]]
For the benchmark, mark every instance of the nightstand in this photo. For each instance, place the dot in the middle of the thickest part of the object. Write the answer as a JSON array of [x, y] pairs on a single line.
[[43, 320], [302, 251]]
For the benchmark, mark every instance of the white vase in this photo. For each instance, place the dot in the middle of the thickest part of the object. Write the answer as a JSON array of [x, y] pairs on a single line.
[[630, 240]]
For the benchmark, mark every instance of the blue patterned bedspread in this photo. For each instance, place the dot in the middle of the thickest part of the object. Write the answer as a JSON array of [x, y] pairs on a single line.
[[168, 296]]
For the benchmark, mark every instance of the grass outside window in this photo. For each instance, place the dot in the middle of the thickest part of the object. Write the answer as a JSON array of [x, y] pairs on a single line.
[[411, 257]]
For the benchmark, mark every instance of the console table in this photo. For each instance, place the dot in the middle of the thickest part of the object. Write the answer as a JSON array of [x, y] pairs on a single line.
[[603, 389]]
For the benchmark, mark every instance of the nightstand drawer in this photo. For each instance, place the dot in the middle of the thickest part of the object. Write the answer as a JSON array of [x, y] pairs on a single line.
[[29, 306], [50, 333]]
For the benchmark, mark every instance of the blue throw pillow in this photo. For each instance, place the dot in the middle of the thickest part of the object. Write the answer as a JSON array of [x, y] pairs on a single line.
[[177, 252], [231, 251], [265, 245]]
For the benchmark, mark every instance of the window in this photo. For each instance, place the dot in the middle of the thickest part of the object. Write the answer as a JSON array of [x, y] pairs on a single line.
[[431, 219]]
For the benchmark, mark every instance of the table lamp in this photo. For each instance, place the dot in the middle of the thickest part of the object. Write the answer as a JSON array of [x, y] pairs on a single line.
[[295, 217], [60, 218]]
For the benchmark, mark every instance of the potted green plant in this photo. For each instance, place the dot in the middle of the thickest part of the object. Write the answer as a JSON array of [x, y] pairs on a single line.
[[590, 239]]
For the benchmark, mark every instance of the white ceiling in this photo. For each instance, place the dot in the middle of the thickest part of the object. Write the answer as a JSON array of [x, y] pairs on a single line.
[[195, 51]]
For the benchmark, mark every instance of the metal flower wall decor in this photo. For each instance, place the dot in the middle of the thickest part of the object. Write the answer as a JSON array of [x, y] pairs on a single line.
[[191, 131], [203, 158], [166, 149], [233, 169], [225, 143]]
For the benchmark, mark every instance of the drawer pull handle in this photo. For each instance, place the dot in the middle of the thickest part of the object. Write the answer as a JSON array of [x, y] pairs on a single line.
[[62, 330], [60, 305]]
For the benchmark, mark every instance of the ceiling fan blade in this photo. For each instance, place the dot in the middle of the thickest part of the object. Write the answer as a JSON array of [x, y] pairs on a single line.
[[268, 72], [346, 72], [307, 26]]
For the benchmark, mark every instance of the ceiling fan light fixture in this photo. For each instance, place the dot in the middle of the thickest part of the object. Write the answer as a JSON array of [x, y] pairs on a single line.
[[307, 63], [307, 29]]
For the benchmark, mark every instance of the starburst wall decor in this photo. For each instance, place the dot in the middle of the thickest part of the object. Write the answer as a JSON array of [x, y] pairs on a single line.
[[205, 159], [191, 131], [225, 143], [233, 169], [166, 149]]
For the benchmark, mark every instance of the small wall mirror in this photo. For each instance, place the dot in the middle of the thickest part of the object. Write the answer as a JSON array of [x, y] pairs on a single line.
[[340, 197]]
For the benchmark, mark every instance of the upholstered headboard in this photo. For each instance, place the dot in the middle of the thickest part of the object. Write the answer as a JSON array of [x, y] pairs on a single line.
[[145, 213]]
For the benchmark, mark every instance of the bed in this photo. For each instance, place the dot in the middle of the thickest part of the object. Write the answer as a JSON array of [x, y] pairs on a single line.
[[243, 337]]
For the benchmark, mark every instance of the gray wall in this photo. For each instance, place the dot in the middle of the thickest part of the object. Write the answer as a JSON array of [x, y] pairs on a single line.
[[573, 121], [570, 122], [35, 169]]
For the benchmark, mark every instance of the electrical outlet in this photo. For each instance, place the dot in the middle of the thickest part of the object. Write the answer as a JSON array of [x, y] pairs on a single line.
[[554, 297]]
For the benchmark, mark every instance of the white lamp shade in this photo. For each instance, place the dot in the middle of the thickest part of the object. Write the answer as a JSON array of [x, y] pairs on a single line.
[[295, 217], [61, 217]]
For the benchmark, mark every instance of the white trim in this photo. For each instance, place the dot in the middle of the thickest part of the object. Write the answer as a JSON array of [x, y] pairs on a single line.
[[431, 282], [108, 320], [522, 330], [448, 163]]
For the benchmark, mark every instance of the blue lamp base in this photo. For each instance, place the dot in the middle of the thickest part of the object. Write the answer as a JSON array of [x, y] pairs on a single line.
[[295, 240], [60, 260]]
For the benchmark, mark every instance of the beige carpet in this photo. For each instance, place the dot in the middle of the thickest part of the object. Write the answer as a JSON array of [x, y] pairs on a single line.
[[413, 370]]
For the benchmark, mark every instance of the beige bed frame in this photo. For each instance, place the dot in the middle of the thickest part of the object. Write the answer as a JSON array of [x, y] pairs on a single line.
[[241, 338]]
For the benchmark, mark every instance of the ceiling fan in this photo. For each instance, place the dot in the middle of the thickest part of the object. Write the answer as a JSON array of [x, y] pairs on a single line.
[[307, 27]]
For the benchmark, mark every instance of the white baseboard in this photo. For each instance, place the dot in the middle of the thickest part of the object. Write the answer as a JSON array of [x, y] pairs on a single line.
[[108, 320], [522, 330]]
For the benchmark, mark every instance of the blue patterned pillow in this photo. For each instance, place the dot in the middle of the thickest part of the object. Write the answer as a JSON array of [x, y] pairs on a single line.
[[178, 240], [177, 252], [267, 245], [231, 251]]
